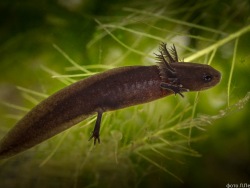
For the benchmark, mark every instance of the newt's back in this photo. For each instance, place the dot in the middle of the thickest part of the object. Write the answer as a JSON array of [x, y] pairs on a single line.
[[110, 90]]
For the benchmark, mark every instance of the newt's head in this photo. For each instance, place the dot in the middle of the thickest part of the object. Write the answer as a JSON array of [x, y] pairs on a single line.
[[181, 76], [196, 77]]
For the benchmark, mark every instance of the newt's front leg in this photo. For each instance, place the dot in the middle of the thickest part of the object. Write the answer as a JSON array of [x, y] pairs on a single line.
[[96, 131], [177, 89]]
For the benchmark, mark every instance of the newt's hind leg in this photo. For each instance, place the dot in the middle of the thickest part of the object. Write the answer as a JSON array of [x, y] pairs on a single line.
[[96, 131]]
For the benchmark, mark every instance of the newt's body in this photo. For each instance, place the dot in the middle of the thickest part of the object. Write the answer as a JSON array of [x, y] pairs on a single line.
[[111, 90]]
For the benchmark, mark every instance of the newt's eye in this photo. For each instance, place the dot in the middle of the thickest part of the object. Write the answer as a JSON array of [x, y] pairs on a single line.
[[207, 77]]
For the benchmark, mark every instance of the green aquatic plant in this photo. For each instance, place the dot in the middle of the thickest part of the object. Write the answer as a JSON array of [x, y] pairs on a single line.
[[151, 140]]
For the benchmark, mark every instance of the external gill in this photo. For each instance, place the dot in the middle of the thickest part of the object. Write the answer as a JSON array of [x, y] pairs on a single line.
[[168, 75]]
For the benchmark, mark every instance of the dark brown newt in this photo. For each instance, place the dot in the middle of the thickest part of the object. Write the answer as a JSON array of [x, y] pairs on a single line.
[[111, 90]]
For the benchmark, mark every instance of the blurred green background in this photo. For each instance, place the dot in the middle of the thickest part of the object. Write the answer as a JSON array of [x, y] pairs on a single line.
[[149, 145]]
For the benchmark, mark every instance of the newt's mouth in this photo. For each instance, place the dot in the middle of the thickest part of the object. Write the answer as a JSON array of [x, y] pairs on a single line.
[[217, 77]]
